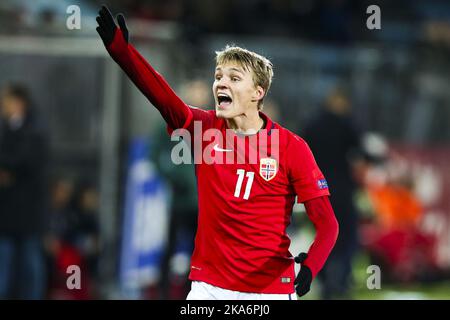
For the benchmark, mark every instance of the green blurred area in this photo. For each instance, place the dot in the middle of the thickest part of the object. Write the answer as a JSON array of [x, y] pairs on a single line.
[[402, 291], [412, 291]]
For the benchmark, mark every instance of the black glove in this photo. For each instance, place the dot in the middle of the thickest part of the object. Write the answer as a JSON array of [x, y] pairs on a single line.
[[107, 27], [303, 280]]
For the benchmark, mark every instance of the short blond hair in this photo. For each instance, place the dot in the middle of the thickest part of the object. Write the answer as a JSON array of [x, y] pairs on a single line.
[[261, 67]]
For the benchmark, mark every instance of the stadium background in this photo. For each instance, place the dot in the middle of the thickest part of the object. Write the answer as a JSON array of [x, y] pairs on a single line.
[[102, 130]]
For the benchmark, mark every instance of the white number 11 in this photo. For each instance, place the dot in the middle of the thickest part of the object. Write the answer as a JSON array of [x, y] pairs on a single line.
[[248, 187]]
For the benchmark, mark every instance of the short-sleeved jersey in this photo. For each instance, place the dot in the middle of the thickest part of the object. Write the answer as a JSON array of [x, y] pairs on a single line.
[[245, 204]]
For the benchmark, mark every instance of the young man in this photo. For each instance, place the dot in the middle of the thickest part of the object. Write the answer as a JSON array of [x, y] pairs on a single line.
[[241, 247]]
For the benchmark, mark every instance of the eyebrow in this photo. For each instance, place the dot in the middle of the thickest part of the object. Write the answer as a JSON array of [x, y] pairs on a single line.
[[234, 69]]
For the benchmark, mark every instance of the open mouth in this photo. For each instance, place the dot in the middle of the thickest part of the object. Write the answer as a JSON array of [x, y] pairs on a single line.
[[224, 100]]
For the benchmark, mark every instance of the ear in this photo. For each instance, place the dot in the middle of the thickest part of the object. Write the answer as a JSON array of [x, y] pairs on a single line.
[[258, 93]]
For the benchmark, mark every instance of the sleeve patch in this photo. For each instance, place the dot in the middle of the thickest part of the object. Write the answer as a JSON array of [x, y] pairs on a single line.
[[322, 184]]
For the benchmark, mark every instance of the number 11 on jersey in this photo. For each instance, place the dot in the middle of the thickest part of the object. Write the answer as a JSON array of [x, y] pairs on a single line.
[[250, 175]]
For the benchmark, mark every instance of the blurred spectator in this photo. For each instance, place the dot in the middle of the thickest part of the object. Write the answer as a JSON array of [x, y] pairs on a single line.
[[393, 238], [60, 232], [60, 217], [23, 155], [334, 140], [87, 227], [73, 238]]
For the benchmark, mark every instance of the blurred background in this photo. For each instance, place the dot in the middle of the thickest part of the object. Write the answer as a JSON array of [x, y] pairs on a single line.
[[85, 171]]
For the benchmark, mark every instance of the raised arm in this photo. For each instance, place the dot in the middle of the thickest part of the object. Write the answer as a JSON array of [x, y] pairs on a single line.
[[175, 112]]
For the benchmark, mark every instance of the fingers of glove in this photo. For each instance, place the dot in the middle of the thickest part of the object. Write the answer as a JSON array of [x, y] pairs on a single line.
[[304, 276], [100, 22], [106, 36], [123, 26], [102, 34], [121, 22], [302, 290], [107, 18], [297, 279], [301, 257], [303, 282]]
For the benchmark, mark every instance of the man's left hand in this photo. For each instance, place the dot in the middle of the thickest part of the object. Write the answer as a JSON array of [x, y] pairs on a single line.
[[303, 280]]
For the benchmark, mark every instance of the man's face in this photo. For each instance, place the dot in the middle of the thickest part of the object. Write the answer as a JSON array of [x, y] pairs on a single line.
[[234, 91]]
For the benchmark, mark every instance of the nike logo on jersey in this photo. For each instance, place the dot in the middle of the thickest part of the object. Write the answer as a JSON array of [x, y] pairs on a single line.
[[216, 148]]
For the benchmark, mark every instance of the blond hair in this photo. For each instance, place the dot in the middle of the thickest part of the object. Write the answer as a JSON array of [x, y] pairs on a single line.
[[260, 66]]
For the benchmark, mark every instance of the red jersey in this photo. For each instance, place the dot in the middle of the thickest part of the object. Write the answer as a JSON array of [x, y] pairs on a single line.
[[245, 206]]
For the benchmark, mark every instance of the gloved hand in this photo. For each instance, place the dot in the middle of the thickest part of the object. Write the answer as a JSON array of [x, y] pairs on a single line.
[[107, 27], [303, 280]]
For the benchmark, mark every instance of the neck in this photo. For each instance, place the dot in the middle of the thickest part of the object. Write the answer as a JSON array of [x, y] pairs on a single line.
[[247, 123]]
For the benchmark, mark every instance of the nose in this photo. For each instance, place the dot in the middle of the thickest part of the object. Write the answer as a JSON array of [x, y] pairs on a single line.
[[221, 84]]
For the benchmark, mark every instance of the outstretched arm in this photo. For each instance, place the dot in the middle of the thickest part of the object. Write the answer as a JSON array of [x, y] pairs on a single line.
[[174, 111]]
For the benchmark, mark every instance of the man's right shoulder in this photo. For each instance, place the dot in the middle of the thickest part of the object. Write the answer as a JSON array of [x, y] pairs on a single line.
[[209, 112], [205, 116]]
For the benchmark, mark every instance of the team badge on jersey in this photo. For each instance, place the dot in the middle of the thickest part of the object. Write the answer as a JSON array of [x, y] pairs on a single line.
[[268, 168]]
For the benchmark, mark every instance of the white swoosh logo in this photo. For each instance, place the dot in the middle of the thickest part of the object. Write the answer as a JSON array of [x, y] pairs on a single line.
[[216, 148]]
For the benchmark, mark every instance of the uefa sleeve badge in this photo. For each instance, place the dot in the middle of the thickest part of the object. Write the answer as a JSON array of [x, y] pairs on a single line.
[[322, 184], [268, 168]]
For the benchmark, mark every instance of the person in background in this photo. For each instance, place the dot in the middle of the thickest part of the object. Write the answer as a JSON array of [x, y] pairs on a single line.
[[392, 233], [23, 157], [72, 238], [335, 142], [87, 237], [59, 232]]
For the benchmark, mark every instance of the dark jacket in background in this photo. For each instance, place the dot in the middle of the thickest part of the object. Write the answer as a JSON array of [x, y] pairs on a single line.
[[23, 154], [333, 140]]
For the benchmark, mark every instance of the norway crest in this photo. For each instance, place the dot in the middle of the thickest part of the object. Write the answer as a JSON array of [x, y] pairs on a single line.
[[268, 168]]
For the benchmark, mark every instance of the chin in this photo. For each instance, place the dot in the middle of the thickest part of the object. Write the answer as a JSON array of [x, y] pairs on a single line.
[[224, 114], [220, 114]]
